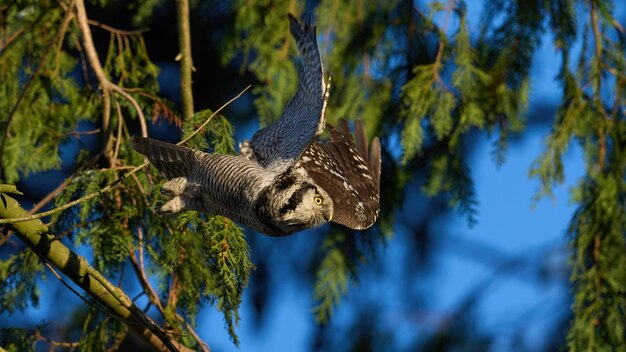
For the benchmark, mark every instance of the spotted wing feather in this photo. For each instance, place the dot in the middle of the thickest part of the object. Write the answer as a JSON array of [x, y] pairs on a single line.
[[349, 172]]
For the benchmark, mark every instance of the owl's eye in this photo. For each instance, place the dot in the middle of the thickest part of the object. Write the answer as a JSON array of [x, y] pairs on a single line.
[[318, 200]]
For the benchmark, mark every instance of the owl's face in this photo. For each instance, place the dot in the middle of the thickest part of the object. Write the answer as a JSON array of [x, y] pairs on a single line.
[[308, 206]]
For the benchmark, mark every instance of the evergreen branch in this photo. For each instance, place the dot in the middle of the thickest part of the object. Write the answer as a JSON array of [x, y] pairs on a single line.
[[36, 235], [7, 121], [50, 196], [116, 182], [96, 66], [13, 37], [75, 202], [186, 63]]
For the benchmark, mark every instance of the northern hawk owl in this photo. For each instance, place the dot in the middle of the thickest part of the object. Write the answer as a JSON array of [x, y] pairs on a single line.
[[284, 180]]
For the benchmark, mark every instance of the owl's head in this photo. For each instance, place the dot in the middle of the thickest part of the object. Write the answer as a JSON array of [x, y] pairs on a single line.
[[306, 206]]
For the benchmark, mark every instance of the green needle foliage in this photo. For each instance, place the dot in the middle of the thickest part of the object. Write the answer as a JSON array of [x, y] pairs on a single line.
[[418, 75]]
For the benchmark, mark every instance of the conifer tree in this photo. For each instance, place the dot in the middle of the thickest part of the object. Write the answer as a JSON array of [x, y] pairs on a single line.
[[413, 73]]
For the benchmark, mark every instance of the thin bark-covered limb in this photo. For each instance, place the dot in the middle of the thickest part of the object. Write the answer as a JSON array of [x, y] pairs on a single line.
[[186, 63], [96, 66], [37, 236]]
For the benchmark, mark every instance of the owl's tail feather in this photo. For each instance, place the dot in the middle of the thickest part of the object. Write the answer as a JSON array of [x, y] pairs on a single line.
[[171, 159]]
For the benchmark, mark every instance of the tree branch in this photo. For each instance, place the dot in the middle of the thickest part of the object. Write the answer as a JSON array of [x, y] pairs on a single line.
[[186, 64], [36, 235], [96, 66]]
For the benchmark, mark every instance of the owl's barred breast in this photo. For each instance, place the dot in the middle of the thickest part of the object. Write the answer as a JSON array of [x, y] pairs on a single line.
[[229, 186]]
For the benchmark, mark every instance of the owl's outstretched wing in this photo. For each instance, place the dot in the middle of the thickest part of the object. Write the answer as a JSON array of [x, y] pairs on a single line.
[[304, 116], [349, 171]]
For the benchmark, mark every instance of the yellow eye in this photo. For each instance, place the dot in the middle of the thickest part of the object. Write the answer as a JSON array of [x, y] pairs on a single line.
[[318, 200]]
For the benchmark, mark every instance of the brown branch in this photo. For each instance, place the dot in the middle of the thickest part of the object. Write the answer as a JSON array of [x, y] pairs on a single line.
[[117, 30], [54, 343], [597, 85], [96, 66], [77, 134], [140, 115], [13, 36], [203, 345], [118, 139], [439, 57], [186, 63], [138, 267], [598, 42], [618, 26]]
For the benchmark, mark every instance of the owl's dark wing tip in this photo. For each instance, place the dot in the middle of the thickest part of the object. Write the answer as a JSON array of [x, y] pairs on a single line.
[[171, 159]]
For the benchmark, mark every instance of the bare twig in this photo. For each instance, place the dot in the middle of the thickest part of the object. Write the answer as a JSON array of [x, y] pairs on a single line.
[[618, 26], [54, 343], [199, 129], [117, 30], [77, 134], [140, 115], [140, 271], [118, 139], [13, 36], [438, 59]]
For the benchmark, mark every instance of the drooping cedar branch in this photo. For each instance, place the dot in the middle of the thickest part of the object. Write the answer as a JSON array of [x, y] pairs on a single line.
[[37, 236]]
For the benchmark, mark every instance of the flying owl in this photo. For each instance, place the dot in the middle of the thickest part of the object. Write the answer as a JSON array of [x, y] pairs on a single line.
[[284, 180]]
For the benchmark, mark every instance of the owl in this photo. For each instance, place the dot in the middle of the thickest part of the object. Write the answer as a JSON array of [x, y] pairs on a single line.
[[285, 178]]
